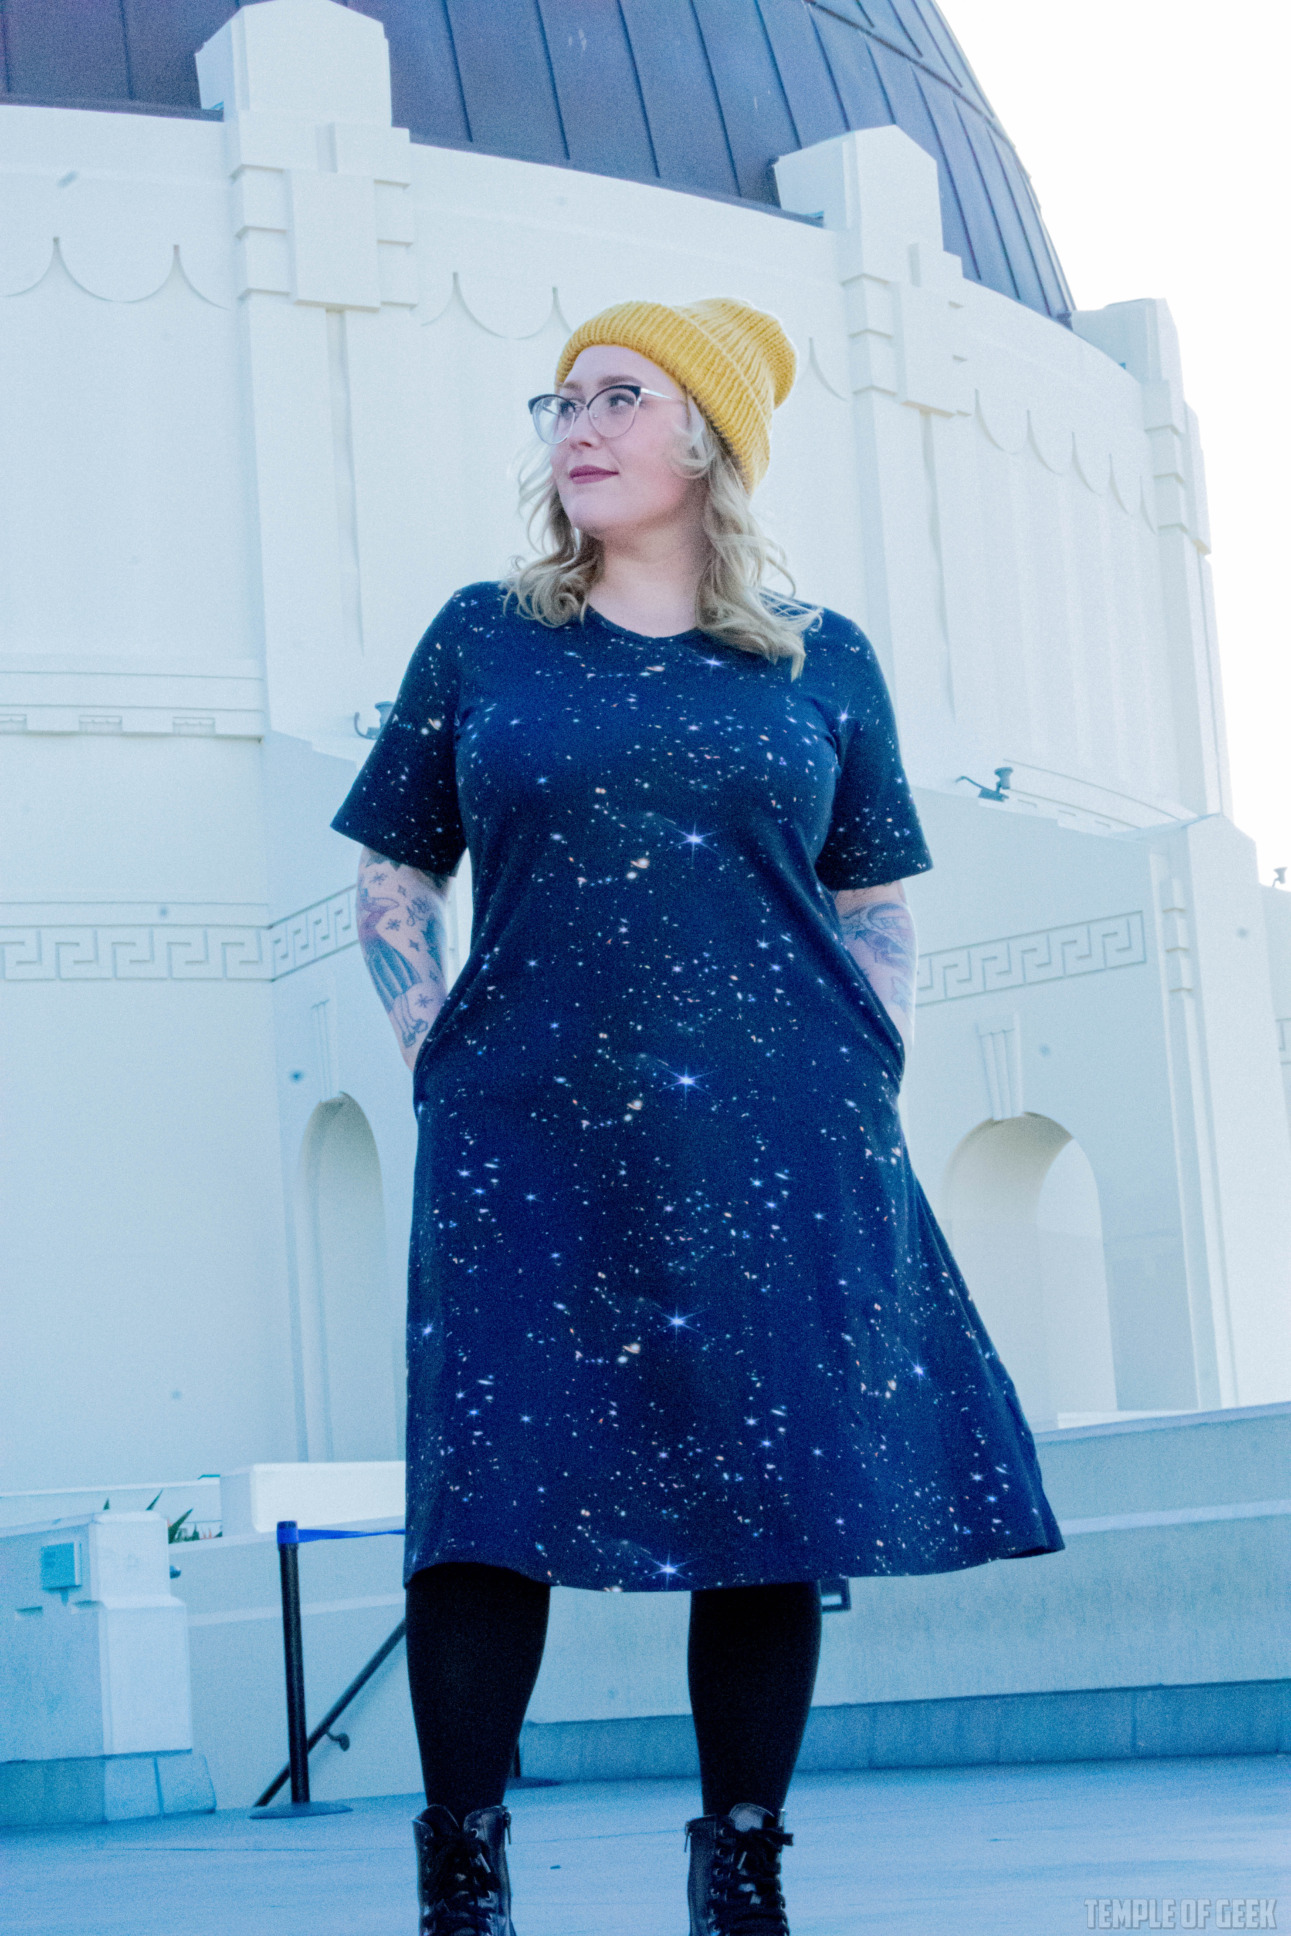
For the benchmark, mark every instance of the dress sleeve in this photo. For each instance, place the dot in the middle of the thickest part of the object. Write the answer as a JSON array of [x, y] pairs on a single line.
[[874, 833], [404, 802]]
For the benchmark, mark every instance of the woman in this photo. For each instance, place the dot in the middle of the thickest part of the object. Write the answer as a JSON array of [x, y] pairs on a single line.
[[679, 1315]]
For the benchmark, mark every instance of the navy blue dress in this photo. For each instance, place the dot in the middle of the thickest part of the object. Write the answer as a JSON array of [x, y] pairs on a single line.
[[679, 1314]]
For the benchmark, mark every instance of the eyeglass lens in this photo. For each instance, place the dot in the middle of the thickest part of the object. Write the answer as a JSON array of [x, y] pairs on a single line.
[[612, 411]]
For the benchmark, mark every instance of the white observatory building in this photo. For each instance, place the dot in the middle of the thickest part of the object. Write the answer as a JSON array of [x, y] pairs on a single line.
[[275, 283]]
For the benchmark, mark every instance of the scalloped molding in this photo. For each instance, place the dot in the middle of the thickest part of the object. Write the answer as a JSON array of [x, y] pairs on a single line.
[[326, 216]]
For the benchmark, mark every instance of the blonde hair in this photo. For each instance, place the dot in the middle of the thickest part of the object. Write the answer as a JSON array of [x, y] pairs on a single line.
[[730, 603]]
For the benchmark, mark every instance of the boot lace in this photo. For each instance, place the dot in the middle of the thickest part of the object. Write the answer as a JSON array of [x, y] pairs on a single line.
[[464, 1895], [745, 1898]]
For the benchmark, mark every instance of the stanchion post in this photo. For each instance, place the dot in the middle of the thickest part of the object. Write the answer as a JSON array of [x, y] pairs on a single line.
[[293, 1654], [293, 1651]]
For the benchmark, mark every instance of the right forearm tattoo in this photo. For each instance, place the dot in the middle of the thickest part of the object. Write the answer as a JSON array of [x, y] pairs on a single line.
[[402, 939]]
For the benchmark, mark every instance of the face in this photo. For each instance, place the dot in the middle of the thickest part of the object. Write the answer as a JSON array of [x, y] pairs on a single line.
[[613, 486]]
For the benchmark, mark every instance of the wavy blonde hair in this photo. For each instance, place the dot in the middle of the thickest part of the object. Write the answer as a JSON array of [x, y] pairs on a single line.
[[731, 604]]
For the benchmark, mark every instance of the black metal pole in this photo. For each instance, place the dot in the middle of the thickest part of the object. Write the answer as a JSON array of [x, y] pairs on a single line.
[[293, 1651]]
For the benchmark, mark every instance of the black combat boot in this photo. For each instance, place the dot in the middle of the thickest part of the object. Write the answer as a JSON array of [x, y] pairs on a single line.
[[462, 1881], [735, 1873]]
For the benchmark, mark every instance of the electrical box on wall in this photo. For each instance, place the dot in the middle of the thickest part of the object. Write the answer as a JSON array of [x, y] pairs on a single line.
[[60, 1567]]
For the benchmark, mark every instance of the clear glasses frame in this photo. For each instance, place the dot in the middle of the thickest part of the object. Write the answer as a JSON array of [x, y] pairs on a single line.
[[554, 416]]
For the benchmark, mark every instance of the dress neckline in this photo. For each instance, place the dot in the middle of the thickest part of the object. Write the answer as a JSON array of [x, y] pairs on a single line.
[[642, 638]]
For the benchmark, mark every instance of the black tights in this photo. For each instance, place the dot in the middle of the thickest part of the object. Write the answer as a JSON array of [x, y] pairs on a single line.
[[475, 1640]]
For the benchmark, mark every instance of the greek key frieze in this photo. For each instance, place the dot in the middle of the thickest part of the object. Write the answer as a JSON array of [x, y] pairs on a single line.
[[133, 951], [1023, 960], [313, 934], [178, 951]]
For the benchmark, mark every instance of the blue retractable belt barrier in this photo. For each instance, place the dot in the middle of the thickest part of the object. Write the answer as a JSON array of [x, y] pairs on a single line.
[[290, 1534]]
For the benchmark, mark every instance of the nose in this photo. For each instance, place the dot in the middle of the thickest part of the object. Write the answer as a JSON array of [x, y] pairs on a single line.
[[584, 432]]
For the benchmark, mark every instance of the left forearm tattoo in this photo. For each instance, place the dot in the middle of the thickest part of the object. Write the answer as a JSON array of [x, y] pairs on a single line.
[[878, 931]]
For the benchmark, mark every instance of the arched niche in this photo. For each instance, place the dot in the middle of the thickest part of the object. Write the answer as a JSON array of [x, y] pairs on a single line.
[[345, 1342], [1023, 1220]]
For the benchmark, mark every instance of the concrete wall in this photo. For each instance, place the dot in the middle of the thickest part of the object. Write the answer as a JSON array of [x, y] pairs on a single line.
[[95, 1660], [1277, 926], [95, 1715]]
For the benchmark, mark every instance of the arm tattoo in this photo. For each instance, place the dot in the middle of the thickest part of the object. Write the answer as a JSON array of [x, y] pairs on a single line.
[[401, 936], [424, 918], [879, 935], [392, 973]]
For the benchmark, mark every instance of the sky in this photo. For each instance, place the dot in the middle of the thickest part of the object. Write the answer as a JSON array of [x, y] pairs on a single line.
[[1154, 133]]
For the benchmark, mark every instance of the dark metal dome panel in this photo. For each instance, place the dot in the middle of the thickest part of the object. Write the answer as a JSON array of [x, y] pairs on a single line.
[[702, 95], [679, 96]]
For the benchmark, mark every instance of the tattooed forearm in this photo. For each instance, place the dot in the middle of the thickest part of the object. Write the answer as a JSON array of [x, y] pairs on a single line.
[[878, 930], [402, 939]]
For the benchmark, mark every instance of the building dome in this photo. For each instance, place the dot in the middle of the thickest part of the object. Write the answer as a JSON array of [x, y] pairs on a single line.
[[700, 95]]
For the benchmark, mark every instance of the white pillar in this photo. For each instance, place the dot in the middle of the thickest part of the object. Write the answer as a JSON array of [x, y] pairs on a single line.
[[1231, 1135], [1142, 338], [903, 301], [326, 282]]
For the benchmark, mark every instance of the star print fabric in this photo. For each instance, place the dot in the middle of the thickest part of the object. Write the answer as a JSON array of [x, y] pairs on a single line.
[[679, 1314]]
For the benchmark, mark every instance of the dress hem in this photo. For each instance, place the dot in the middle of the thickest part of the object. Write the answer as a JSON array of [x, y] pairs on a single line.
[[580, 1581]]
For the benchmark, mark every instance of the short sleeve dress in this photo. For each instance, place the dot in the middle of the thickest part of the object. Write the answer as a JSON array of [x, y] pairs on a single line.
[[679, 1314]]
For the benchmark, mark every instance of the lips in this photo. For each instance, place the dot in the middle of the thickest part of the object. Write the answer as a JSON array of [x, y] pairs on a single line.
[[587, 474]]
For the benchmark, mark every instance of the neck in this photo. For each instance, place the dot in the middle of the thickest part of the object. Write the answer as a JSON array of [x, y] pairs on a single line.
[[649, 579]]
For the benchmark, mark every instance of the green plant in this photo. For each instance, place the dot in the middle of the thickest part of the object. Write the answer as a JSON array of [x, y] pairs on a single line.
[[175, 1533]]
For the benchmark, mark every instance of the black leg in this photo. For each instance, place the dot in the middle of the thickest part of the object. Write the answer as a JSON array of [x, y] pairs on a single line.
[[752, 1659], [475, 1641]]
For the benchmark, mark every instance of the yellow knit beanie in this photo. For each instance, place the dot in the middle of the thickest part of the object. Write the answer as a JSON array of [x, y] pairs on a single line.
[[736, 362]]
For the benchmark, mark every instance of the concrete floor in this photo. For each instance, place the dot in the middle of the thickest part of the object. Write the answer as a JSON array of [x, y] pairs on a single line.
[[969, 1851]]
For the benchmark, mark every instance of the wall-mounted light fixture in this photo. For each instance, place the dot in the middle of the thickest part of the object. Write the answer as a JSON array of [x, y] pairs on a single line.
[[383, 710], [1000, 791]]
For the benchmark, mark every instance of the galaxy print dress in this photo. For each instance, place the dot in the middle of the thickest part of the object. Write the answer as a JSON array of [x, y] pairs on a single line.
[[679, 1314]]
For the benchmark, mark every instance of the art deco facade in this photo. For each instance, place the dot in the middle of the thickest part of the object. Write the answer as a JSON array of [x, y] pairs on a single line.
[[266, 370]]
